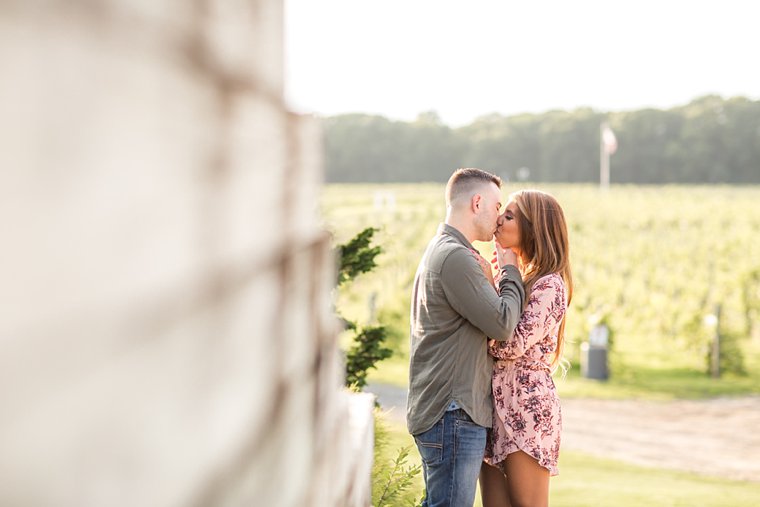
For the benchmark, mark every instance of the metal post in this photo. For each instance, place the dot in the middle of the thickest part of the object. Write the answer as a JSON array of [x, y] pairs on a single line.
[[372, 306], [604, 160], [715, 356]]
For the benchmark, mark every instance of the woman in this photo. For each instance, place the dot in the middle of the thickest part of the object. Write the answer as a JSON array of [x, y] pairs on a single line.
[[523, 446]]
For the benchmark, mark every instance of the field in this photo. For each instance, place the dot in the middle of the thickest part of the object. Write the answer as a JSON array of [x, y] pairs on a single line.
[[652, 262]]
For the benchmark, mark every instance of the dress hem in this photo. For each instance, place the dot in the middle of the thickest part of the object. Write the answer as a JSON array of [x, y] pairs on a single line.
[[553, 471]]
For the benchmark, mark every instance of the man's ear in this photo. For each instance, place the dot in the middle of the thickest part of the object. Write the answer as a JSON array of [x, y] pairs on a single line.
[[476, 202]]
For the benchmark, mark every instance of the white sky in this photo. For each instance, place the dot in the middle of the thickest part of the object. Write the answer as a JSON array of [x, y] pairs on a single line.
[[466, 58]]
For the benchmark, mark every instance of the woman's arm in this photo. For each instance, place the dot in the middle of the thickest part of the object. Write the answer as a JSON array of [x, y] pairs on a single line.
[[546, 308]]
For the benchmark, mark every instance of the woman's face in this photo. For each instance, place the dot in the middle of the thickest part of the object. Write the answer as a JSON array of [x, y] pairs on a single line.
[[508, 234]]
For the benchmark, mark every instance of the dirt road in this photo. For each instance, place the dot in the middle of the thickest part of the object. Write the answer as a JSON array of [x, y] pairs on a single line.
[[718, 437]]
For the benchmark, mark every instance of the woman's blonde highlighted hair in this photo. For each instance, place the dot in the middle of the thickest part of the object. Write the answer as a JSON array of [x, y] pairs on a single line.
[[544, 246]]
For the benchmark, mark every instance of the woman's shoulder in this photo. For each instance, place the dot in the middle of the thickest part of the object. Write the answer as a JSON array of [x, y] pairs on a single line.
[[549, 287], [550, 281]]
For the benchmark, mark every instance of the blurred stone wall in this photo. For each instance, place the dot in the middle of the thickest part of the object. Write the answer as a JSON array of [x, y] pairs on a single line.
[[166, 334]]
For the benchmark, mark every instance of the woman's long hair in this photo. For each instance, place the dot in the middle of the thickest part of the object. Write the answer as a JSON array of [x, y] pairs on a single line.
[[544, 246]]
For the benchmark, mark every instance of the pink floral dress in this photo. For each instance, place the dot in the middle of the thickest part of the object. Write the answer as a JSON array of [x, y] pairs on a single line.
[[527, 415]]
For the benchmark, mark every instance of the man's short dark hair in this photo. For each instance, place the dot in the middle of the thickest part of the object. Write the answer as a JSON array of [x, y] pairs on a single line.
[[465, 180]]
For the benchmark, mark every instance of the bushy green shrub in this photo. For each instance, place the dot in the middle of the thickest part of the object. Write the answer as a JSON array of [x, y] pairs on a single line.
[[357, 256]]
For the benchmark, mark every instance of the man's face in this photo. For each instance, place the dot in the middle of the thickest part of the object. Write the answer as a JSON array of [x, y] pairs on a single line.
[[487, 213]]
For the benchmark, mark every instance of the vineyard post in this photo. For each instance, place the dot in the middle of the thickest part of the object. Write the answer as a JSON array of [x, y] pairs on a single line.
[[607, 146], [604, 160], [715, 357]]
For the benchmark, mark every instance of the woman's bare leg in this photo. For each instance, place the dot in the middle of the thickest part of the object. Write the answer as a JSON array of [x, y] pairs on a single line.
[[527, 481], [493, 487]]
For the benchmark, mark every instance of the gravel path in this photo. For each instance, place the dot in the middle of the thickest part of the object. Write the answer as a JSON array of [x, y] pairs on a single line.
[[719, 437]]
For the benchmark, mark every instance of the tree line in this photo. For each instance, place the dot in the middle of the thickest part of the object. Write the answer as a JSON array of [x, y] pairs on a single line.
[[709, 140]]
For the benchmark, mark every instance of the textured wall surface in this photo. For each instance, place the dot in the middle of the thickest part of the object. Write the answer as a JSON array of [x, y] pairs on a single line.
[[166, 332]]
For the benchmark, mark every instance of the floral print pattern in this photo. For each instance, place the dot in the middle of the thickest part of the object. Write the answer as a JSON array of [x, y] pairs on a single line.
[[527, 413]]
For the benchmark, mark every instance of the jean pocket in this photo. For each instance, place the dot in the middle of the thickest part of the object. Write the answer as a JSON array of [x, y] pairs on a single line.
[[430, 444], [470, 438]]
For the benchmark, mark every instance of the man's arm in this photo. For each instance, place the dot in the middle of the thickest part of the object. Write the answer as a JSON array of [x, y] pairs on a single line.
[[472, 296]]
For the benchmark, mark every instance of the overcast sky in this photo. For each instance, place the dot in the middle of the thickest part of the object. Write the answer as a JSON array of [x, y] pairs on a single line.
[[466, 58]]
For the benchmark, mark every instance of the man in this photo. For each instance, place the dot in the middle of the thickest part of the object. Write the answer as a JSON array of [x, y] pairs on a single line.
[[454, 311]]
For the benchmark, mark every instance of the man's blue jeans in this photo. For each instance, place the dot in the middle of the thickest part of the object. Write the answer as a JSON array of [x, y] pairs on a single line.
[[452, 453]]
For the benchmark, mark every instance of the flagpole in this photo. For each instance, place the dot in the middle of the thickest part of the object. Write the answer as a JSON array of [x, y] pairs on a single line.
[[604, 160]]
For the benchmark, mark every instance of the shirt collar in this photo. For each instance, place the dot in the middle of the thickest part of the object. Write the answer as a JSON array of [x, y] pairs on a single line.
[[454, 232]]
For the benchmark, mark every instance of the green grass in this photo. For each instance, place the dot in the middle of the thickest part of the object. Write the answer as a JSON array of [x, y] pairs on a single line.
[[588, 481], [595, 482], [641, 381], [393, 371]]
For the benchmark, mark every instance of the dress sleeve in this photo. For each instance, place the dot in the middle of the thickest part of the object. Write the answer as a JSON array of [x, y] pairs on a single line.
[[546, 307]]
